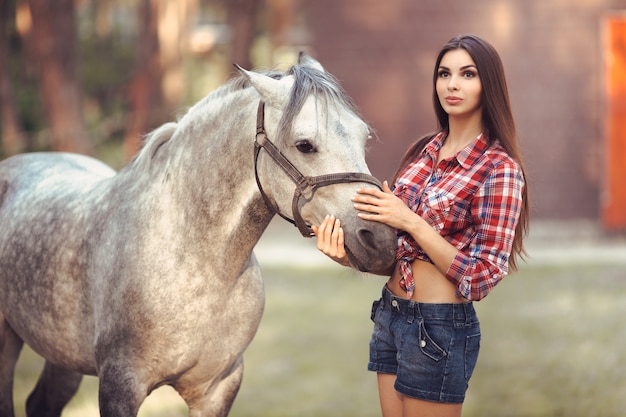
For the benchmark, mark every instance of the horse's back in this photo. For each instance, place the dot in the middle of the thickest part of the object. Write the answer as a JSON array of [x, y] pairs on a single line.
[[29, 169], [33, 185], [41, 194]]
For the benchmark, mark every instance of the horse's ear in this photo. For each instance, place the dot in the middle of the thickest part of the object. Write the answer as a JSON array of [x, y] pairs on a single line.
[[274, 92], [308, 61]]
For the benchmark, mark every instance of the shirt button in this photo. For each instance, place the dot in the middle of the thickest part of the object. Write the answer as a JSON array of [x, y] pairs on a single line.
[[394, 303]]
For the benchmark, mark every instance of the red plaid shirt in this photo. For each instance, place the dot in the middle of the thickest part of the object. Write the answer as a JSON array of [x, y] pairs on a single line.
[[473, 200]]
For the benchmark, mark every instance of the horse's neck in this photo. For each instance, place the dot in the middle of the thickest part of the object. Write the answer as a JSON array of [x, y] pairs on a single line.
[[202, 183]]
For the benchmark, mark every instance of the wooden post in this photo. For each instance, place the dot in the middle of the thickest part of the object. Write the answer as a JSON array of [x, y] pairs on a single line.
[[614, 186]]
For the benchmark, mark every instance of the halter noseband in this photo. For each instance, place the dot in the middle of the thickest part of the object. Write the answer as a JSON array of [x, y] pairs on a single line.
[[305, 186]]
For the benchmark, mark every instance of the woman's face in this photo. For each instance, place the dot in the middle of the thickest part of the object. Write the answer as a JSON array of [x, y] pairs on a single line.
[[458, 84]]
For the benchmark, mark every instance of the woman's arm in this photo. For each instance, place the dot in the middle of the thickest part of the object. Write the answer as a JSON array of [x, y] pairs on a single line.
[[385, 207], [496, 209]]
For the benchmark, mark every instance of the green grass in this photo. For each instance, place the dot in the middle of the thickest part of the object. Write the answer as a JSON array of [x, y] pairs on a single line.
[[553, 345]]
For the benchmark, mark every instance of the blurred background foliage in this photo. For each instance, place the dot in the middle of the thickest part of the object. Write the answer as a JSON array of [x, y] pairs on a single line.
[[94, 76]]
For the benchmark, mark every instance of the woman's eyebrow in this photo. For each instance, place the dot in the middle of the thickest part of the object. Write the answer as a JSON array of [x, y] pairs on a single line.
[[462, 68]]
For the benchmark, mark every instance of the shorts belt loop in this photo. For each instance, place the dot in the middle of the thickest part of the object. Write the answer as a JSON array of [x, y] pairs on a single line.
[[466, 310], [417, 312], [411, 311]]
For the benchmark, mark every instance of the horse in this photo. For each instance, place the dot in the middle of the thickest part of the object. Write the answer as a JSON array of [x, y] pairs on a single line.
[[146, 276]]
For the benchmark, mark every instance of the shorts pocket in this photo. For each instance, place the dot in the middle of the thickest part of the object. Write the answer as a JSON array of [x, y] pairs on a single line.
[[472, 347], [428, 346]]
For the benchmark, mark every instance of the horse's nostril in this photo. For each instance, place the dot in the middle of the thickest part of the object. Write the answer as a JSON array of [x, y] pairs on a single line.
[[367, 239]]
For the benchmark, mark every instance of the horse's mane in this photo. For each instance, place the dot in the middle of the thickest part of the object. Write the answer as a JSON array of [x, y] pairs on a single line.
[[307, 81]]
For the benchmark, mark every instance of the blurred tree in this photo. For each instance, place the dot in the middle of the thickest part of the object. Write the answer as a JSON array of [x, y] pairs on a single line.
[[158, 82], [54, 44], [241, 18], [12, 135], [107, 47], [143, 95], [282, 17], [174, 18], [134, 60]]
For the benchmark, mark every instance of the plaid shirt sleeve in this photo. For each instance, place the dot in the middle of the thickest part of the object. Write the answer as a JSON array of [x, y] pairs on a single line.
[[496, 208]]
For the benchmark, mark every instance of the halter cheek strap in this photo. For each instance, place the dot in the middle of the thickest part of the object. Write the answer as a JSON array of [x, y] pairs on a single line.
[[305, 185]]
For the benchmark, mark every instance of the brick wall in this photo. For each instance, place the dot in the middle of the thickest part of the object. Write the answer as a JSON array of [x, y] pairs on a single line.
[[384, 52]]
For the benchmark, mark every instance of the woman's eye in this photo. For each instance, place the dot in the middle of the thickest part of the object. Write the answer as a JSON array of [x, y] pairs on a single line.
[[469, 74], [443, 74], [305, 146]]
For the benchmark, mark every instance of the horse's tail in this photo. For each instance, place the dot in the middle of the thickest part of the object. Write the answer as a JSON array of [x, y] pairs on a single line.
[[4, 186]]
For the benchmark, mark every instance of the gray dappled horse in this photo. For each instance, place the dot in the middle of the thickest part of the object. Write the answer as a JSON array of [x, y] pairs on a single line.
[[146, 277]]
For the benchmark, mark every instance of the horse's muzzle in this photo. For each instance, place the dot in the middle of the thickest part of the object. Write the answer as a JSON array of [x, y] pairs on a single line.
[[372, 247]]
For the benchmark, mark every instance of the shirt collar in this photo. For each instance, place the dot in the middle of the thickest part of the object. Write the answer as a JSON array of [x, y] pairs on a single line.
[[470, 154], [467, 156], [433, 146]]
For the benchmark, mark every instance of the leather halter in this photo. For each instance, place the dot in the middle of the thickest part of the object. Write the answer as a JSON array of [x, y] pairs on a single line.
[[305, 186]]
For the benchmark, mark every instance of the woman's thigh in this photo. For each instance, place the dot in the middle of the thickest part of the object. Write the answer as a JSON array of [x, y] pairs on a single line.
[[412, 407], [390, 399], [394, 404]]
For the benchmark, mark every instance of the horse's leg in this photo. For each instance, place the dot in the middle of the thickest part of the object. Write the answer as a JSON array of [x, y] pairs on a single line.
[[218, 400], [120, 394], [55, 388], [10, 347]]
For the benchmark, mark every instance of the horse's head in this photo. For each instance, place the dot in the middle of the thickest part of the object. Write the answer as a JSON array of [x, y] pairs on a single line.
[[311, 158]]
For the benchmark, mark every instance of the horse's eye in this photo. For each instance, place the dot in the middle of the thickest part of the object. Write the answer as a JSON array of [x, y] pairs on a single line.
[[305, 146]]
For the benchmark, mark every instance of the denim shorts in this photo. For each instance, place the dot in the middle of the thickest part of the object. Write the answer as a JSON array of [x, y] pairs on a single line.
[[431, 348]]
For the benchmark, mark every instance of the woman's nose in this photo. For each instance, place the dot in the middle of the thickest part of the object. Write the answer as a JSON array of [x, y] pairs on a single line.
[[452, 85]]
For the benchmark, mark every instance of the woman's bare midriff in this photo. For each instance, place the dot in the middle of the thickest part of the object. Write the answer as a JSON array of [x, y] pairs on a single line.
[[431, 286]]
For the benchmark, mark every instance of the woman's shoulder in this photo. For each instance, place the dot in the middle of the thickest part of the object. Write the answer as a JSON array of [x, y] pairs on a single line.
[[500, 164], [498, 156]]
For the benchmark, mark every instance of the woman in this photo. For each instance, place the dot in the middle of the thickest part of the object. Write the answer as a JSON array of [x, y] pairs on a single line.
[[460, 206]]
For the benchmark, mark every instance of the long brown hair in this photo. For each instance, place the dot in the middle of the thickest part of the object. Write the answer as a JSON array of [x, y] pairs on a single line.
[[497, 119]]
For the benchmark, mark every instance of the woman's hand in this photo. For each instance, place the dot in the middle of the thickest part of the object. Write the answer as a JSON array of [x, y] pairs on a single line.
[[384, 207], [330, 240]]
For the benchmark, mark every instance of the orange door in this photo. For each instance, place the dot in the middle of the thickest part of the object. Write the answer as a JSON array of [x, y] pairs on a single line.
[[614, 192]]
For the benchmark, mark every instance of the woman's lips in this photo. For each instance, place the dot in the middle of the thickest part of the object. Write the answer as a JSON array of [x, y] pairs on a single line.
[[452, 100]]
